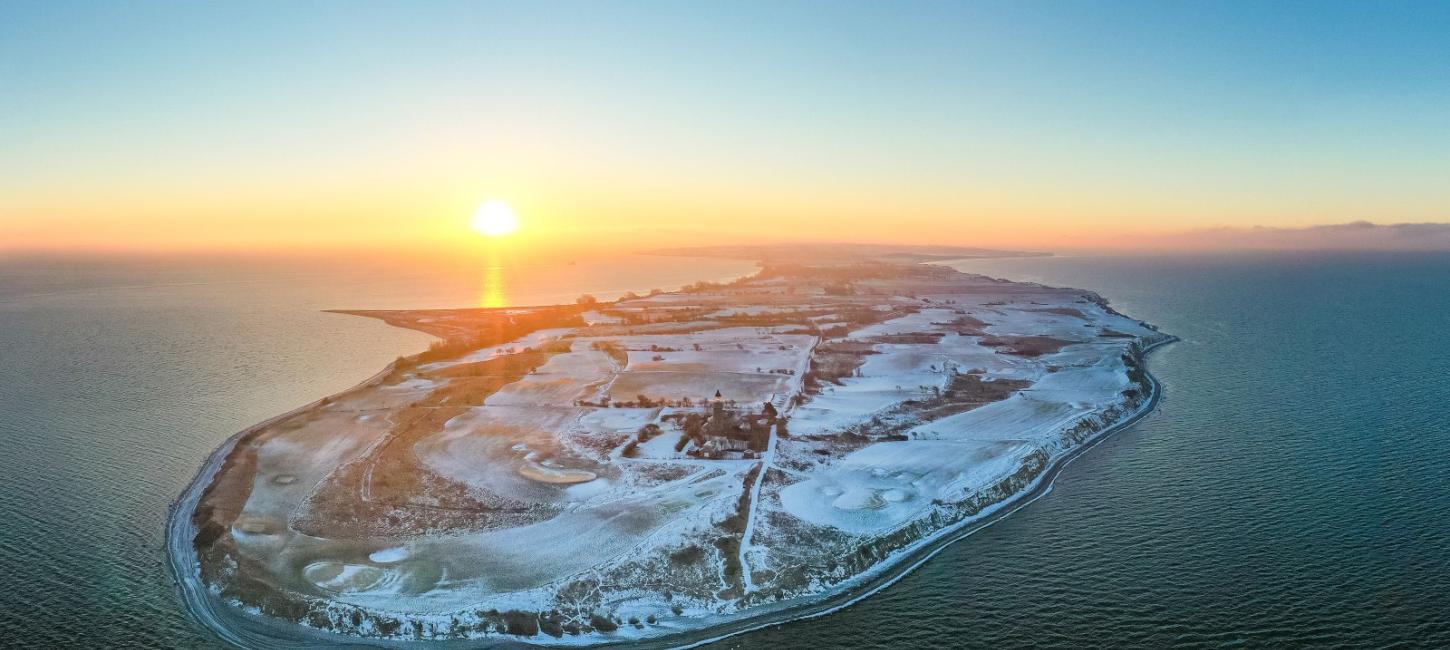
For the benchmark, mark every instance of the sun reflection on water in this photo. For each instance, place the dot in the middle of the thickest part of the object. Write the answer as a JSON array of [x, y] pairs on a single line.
[[494, 292]]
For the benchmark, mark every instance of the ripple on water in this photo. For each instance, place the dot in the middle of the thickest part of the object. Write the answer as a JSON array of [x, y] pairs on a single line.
[[1286, 493]]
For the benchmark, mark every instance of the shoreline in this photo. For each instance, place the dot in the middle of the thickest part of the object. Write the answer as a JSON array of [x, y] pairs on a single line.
[[181, 555], [246, 629], [892, 571]]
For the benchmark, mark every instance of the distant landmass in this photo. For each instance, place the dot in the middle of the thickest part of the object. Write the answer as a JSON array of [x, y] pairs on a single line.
[[826, 253], [1353, 236]]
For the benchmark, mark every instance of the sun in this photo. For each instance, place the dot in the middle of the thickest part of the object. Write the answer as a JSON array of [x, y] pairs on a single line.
[[495, 219]]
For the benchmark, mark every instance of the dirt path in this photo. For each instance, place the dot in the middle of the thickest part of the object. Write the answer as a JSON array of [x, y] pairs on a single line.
[[766, 461]]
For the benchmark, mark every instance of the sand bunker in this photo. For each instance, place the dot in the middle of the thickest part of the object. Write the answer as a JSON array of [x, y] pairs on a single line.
[[895, 496], [258, 526], [859, 499], [389, 555], [341, 577], [543, 474]]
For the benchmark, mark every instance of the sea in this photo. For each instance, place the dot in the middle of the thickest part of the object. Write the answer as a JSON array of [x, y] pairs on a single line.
[[1291, 488]]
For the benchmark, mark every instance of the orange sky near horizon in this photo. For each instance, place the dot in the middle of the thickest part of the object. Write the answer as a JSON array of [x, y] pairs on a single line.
[[171, 127], [419, 217], [300, 224], [348, 224]]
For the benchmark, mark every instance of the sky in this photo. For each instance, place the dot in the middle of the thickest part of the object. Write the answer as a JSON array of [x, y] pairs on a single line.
[[1044, 125]]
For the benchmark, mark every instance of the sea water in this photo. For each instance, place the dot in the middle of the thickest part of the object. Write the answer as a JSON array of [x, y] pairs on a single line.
[[118, 377], [1291, 489]]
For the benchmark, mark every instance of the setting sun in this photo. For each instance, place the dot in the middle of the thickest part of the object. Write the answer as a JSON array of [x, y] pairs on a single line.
[[759, 307], [495, 219]]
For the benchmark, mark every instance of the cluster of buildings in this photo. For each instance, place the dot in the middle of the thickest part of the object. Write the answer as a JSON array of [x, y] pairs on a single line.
[[730, 434]]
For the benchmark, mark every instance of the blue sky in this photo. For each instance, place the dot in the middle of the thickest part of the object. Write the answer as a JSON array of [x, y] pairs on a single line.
[[1062, 114]]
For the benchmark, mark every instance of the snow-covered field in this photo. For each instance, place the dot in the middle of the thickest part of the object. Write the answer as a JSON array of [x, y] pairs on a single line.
[[583, 483]]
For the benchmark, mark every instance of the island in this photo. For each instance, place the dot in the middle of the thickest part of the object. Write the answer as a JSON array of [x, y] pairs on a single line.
[[663, 468]]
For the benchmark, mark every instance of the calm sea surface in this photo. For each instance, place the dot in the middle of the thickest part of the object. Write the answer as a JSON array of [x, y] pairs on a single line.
[[117, 379], [1292, 489]]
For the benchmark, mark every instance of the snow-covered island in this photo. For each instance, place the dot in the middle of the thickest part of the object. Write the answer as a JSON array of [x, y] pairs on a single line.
[[658, 466]]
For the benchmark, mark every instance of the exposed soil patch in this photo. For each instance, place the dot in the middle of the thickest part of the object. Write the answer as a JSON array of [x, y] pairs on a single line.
[[1025, 346], [510, 366], [224, 499], [963, 393], [834, 362], [1062, 311], [615, 351], [470, 329], [910, 338], [965, 325], [734, 528], [389, 492]]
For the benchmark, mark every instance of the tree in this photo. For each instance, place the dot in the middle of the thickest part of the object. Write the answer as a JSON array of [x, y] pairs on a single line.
[[601, 623], [586, 299]]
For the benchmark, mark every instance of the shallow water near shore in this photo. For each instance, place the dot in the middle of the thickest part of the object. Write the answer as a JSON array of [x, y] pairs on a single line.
[[1285, 491]]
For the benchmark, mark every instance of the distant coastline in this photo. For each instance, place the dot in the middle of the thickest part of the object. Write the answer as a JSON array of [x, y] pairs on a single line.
[[817, 253]]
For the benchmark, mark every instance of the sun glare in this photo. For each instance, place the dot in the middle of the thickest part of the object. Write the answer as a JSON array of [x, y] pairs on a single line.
[[495, 219]]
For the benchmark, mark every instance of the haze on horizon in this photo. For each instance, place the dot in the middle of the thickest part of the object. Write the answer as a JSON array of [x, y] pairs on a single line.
[[1047, 126]]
